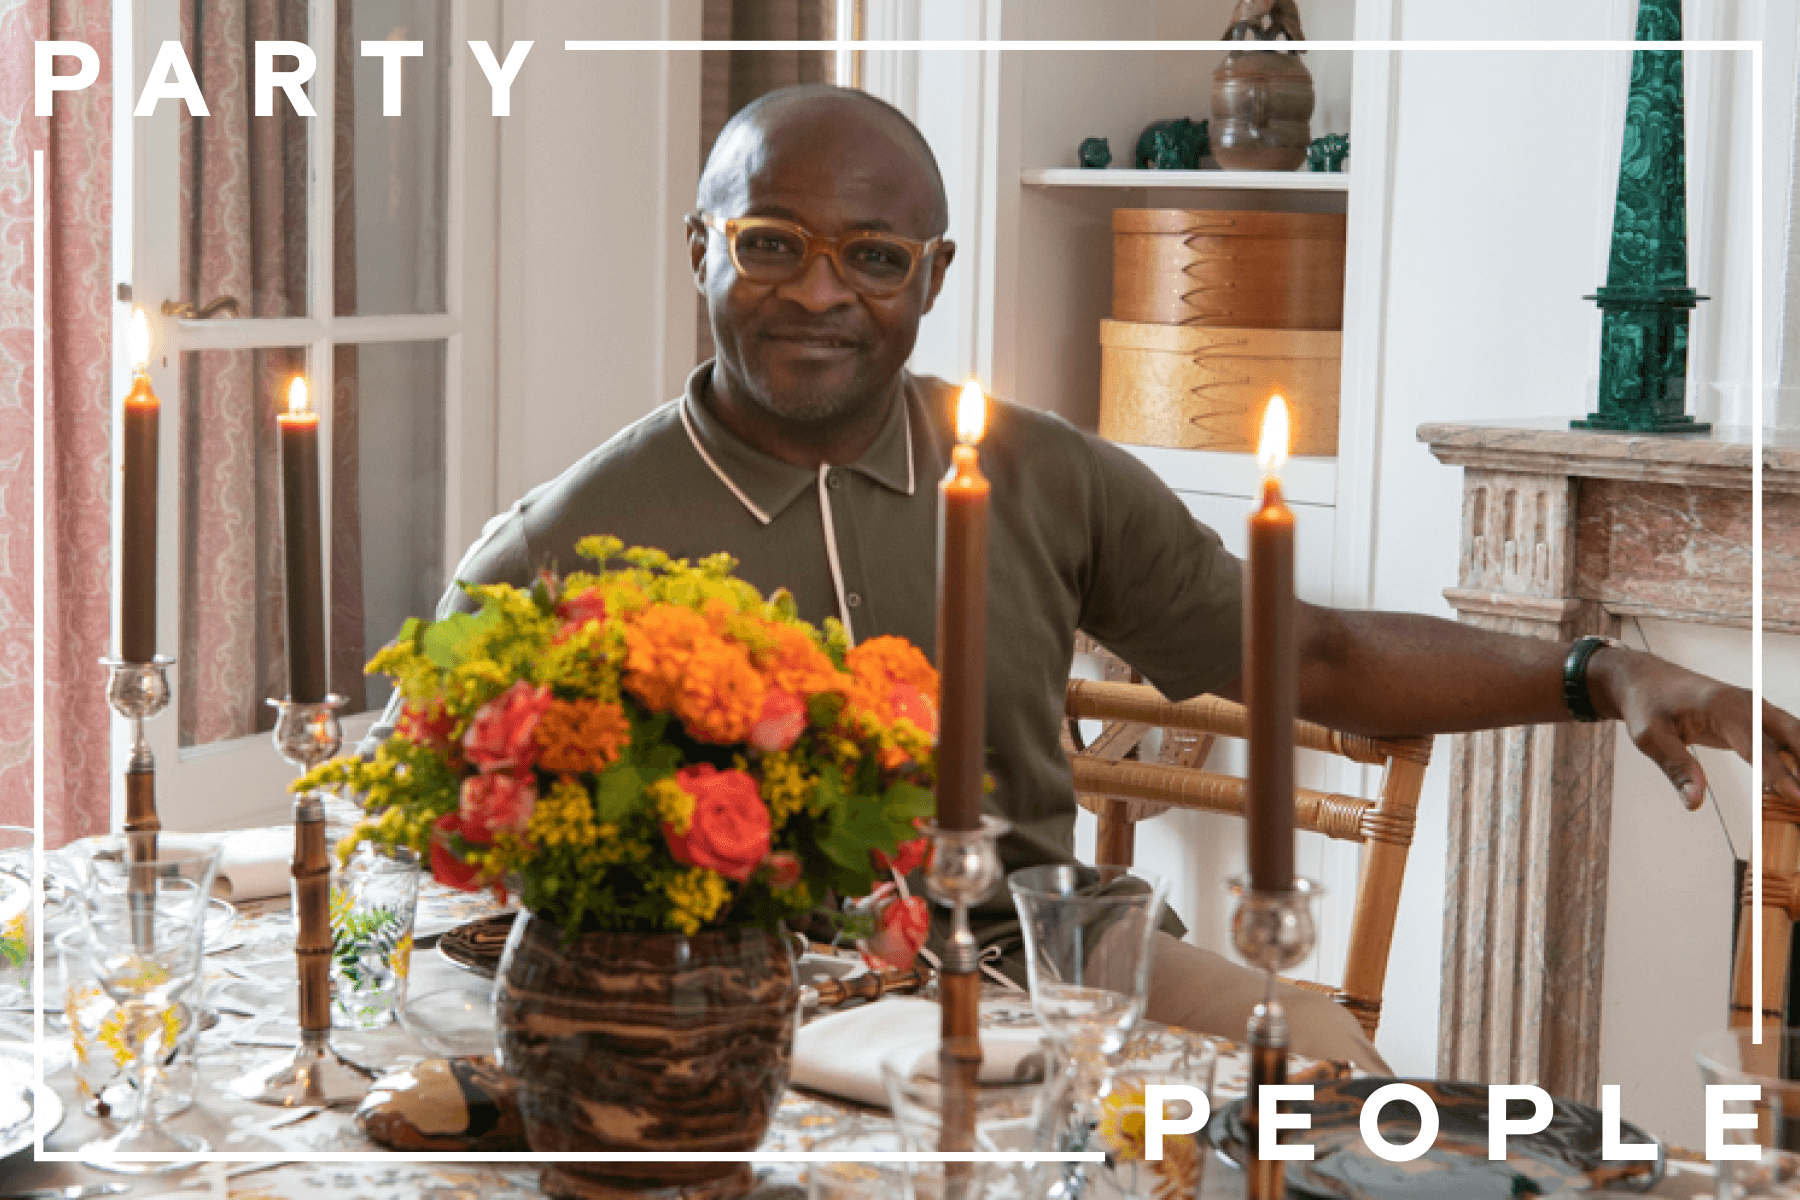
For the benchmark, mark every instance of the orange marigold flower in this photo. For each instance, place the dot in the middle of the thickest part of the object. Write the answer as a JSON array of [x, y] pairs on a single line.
[[659, 644], [721, 694], [797, 664], [582, 735], [880, 664]]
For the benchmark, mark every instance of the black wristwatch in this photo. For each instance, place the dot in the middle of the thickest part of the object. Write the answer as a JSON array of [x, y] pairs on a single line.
[[1575, 680]]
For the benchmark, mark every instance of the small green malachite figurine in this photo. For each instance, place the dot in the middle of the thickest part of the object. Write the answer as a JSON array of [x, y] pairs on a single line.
[[1646, 300]]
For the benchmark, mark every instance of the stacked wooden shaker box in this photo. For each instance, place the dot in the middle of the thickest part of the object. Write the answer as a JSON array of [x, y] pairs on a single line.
[[1214, 312]]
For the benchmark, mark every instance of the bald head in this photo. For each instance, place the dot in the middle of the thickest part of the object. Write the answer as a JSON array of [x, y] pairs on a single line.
[[810, 114]]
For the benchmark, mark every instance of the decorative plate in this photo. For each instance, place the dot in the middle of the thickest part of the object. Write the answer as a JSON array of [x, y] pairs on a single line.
[[1565, 1156], [17, 1108], [477, 946]]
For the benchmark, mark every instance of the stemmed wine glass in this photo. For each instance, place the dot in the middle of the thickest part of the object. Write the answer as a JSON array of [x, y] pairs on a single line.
[[1087, 952], [143, 904]]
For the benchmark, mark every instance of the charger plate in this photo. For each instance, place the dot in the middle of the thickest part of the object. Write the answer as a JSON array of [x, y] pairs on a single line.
[[477, 946], [1565, 1156], [17, 1126]]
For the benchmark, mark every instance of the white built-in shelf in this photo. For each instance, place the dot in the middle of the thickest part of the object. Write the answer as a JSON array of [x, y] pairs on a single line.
[[1273, 181]]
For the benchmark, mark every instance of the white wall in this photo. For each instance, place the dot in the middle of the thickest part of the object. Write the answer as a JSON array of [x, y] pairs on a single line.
[[597, 168]]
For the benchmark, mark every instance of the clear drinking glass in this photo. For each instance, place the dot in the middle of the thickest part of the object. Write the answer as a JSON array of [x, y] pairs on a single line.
[[105, 1065], [1128, 1174], [1730, 1056], [15, 916], [143, 902], [1087, 952], [373, 899], [1014, 1102]]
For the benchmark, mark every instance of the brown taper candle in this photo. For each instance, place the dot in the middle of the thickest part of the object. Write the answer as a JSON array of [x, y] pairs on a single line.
[[300, 518], [137, 506], [962, 623], [1270, 666]]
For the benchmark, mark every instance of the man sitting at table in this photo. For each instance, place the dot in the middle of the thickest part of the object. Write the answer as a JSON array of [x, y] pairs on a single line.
[[807, 451]]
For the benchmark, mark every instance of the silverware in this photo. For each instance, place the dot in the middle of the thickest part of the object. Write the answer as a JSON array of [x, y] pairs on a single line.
[[77, 1191]]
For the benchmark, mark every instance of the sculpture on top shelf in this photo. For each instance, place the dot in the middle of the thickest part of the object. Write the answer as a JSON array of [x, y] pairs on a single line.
[[1173, 145], [1328, 153], [1646, 300], [1095, 154], [1262, 100]]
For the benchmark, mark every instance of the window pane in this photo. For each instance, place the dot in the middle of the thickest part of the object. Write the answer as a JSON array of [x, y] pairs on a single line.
[[233, 637], [399, 477], [386, 502], [395, 169], [243, 178]]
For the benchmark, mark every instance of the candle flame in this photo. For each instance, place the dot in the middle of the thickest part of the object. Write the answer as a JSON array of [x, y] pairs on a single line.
[[297, 404], [140, 340], [971, 414], [1272, 450]]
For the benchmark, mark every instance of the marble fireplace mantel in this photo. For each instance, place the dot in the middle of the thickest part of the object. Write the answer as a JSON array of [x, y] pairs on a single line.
[[1566, 533]]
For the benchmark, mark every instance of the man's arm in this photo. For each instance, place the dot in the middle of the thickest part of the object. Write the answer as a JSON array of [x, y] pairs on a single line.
[[1399, 673]]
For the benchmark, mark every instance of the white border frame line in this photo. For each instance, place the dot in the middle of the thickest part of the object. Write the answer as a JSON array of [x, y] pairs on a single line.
[[556, 1156], [37, 637], [1756, 532], [1755, 596], [1173, 45]]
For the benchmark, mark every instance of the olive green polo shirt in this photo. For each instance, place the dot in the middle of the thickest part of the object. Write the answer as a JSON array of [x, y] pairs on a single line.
[[1082, 535]]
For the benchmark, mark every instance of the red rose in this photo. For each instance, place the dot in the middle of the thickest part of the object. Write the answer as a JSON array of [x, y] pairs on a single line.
[[446, 868], [909, 702], [500, 736], [579, 610], [782, 721], [908, 857], [495, 803], [904, 926], [730, 830], [428, 727], [784, 870]]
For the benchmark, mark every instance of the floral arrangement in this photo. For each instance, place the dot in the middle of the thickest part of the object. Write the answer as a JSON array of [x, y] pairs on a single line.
[[656, 747]]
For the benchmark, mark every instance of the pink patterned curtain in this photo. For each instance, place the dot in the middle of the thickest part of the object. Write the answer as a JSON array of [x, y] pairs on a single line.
[[77, 146], [244, 234]]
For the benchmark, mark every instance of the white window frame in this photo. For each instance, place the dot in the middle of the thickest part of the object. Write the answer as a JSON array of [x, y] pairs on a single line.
[[243, 782]]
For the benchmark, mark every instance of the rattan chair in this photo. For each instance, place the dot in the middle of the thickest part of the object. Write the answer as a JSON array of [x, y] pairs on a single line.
[[1780, 906], [1121, 789]]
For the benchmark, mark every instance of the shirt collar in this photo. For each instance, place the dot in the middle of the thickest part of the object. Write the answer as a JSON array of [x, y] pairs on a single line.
[[765, 485]]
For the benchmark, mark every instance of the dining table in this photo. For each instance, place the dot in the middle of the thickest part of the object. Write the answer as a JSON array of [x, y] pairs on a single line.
[[250, 981]]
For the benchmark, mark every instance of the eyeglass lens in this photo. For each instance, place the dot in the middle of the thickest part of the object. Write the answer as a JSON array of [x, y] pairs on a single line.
[[775, 253]]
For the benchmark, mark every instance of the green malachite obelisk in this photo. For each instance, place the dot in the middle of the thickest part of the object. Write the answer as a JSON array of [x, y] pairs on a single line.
[[1646, 300]]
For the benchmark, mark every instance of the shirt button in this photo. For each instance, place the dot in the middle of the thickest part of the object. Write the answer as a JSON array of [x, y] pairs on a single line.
[[834, 479], [854, 599]]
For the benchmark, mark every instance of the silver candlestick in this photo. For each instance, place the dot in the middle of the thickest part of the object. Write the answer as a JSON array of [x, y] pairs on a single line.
[[1274, 931], [963, 869], [307, 733], [138, 691]]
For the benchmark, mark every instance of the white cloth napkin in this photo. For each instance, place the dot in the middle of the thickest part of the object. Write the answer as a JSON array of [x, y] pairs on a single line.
[[841, 1054], [257, 863]]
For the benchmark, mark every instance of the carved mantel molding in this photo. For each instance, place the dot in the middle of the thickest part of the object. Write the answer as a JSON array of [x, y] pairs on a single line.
[[1564, 533]]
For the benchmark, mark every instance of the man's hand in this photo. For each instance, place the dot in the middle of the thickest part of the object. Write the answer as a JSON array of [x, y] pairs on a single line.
[[1394, 673], [1667, 708]]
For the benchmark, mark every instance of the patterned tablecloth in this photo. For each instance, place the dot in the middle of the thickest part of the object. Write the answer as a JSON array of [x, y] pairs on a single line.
[[253, 973]]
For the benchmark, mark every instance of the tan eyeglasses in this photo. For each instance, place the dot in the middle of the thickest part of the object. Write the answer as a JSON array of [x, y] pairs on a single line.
[[771, 251]]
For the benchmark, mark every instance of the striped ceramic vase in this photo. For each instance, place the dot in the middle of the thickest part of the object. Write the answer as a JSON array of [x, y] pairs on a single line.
[[654, 1042]]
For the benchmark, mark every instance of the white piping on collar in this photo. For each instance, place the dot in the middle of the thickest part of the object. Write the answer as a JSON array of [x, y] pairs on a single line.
[[725, 479], [906, 416], [831, 554]]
